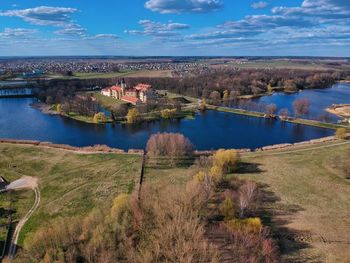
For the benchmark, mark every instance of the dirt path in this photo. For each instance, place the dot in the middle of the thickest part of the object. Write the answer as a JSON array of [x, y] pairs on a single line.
[[24, 182]]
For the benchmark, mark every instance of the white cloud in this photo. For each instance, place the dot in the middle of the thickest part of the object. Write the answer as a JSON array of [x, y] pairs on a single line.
[[156, 29], [259, 5], [72, 30], [43, 15], [183, 6], [17, 33]]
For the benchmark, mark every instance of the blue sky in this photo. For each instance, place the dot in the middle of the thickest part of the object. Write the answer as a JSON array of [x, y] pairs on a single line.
[[175, 27]]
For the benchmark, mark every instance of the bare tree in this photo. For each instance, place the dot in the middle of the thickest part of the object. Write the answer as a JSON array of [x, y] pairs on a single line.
[[247, 198], [301, 107]]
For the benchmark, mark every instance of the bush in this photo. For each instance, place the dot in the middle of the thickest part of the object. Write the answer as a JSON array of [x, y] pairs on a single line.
[[341, 133], [100, 117], [227, 209], [133, 116], [249, 225], [216, 173], [226, 160], [203, 105], [168, 114]]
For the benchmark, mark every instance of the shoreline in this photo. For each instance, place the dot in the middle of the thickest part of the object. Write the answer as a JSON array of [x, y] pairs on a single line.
[[104, 149], [307, 122]]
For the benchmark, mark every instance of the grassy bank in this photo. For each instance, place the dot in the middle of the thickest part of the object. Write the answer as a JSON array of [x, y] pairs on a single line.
[[309, 199], [291, 120], [71, 184]]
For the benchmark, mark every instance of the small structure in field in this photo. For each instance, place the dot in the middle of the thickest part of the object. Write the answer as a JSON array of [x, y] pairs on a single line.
[[141, 93]]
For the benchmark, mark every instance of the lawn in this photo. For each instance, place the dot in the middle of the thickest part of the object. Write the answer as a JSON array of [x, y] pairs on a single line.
[[311, 202], [105, 101], [71, 184]]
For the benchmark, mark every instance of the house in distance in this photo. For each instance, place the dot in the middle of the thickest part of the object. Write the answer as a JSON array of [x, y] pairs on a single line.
[[141, 93]]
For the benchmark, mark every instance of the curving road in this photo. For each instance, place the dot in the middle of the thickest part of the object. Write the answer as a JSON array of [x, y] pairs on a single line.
[[21, 223]]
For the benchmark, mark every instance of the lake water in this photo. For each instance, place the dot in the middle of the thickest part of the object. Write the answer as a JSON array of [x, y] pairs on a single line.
[[211, 130], [319, 99]]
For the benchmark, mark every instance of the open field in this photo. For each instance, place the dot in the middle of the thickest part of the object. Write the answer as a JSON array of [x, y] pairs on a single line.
[[309, 198], [71, 184], [284, 64], [126, 74], [311, 201]]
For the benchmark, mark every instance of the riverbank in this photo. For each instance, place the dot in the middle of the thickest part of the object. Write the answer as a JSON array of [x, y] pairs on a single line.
[[341, 110], [314, 123]]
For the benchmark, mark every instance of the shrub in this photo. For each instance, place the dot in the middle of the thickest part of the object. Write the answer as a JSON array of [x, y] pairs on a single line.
[[168, 113], [216, 173], [340, 133], [100, 117], [226, 160], [199, 177], [133, 116], [250, 225], [203, 105], [58, 107], [227, 209]]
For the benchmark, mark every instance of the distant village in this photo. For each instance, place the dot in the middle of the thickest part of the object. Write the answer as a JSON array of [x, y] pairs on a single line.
[[141, 93]]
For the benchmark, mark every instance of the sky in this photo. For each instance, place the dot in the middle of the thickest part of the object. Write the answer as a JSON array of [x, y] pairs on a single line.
[[175, 27]]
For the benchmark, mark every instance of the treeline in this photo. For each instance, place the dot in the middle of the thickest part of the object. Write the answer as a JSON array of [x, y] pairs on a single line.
[[243, 81]]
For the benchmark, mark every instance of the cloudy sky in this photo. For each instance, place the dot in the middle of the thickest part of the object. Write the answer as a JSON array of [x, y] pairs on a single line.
[[175, 27]]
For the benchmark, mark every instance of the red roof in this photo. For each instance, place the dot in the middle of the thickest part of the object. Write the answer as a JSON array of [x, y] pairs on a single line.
[[143, 87], [132, 100], [116, 88]]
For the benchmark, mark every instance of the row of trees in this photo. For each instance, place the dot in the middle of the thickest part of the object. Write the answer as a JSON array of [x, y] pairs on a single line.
[[214, 82]]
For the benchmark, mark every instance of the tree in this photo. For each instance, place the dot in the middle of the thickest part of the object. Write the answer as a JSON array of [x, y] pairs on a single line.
[[119, 111], [171, 145], [284, 113], [133, 116], [301, 107], [290, 86], [226, 160], [100, 117], [58, 107], [248, 195], [203, 105], [271, 109], [341, 133]]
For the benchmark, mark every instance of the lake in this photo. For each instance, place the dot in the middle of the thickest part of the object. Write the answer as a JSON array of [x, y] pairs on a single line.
[[319, 99], [211, 130]]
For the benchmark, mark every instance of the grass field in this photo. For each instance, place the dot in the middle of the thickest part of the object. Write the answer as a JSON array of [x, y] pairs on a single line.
[[128, 74], [280, 64], [105, 101], [307, 197], [311, 201], [71, 184]]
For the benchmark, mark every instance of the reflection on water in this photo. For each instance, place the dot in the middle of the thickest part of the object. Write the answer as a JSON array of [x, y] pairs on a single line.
[[209, 130], [319, 99]]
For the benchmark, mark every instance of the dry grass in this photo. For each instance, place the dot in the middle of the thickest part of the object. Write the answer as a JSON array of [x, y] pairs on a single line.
[[70, 183], [311, 202]]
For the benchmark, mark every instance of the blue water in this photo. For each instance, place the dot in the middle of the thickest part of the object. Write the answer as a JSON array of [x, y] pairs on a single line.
[[212, 130], [319, 99]]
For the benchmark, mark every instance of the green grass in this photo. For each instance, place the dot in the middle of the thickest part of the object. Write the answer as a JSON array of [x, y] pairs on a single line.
[[71, 184], [105, 101], [312, 199]]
